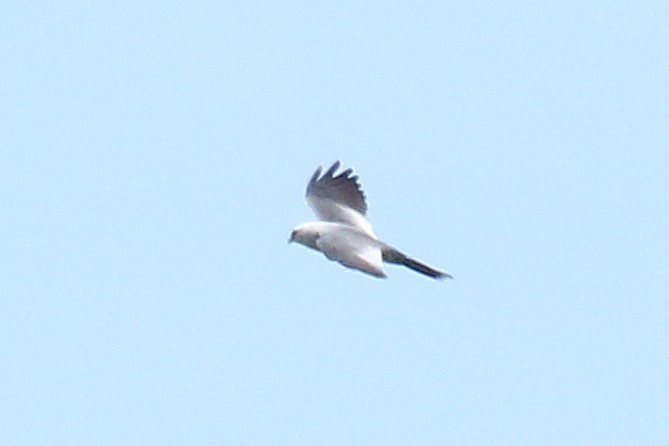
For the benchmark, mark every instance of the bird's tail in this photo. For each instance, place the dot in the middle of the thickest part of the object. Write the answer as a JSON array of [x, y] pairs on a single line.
[[392, 255]]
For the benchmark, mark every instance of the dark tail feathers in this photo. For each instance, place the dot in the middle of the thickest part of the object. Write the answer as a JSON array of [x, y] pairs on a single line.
[[394, 256]]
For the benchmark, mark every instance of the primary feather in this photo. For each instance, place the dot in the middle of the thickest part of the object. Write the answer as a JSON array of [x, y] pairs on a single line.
[[338, 198]]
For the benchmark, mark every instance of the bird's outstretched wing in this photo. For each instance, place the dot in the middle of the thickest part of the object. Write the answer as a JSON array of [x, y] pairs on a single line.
[[338, 198], [342, 189]]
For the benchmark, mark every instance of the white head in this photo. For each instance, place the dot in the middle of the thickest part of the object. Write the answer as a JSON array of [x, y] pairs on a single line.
[[306, 234]]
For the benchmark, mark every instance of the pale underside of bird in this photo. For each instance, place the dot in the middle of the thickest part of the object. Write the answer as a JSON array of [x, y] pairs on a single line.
[[343, 232]]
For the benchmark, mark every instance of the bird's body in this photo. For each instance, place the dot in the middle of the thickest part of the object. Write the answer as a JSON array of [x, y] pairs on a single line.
[[344, 234], [345, 244]]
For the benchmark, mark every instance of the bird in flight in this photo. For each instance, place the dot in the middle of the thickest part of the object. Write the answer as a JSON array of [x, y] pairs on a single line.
[[343, 233]]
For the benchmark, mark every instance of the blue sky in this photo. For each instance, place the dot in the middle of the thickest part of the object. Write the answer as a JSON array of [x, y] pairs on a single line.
[[153, 162]]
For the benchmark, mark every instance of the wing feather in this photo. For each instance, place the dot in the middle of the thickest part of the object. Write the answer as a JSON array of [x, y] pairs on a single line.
[[338, 198], [343, 188]]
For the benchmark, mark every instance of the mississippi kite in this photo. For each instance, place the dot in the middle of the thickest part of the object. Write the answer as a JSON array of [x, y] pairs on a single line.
[[343, 233]]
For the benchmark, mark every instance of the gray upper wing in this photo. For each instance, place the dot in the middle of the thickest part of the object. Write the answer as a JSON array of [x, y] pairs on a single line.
[[343, 188], [338, 198]]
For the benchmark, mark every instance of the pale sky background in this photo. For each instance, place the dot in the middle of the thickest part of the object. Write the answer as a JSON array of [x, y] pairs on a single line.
[[153, 159]]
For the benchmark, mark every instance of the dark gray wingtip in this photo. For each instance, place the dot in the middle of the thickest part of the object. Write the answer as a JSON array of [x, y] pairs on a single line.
[[316, 174], [344, 174], [332, 169]]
